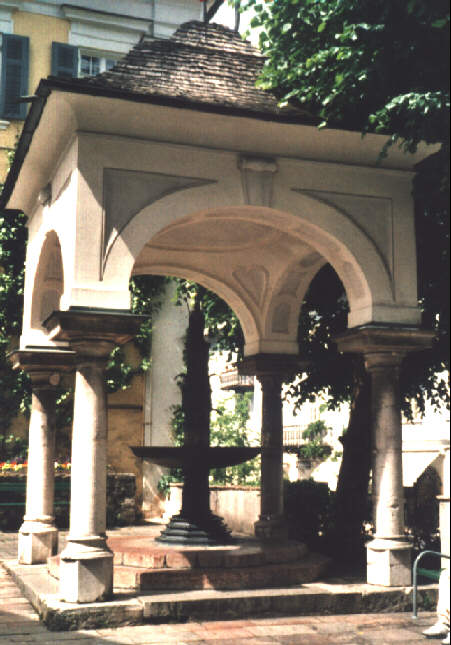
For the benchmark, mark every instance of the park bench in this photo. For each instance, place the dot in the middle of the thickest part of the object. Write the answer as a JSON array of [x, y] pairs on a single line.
[[13, 492]]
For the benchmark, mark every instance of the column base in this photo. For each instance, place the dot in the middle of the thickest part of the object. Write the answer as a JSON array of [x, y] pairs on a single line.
[[86, 570], [88, 580], [272, 528], [37, 542], [389, 563]]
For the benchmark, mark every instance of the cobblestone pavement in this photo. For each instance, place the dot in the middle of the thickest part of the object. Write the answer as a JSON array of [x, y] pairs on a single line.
[[20, 624]]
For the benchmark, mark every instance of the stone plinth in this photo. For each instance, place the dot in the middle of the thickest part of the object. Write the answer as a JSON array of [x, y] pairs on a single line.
[[143, 564], [389, 563]]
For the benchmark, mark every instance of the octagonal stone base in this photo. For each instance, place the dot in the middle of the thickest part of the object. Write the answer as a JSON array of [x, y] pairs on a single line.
[[36, 543], [86, 580], [389, 563]]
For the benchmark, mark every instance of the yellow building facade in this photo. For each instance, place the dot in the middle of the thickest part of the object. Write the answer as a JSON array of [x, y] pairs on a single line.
[[39, 31]]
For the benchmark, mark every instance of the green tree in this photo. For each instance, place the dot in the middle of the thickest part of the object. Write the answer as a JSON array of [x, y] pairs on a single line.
[[228, 428], [375, 66], [370, 65], [14, 386]]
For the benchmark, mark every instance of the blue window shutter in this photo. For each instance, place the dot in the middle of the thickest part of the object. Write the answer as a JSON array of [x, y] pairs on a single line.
[[14, 80], [64, 60]]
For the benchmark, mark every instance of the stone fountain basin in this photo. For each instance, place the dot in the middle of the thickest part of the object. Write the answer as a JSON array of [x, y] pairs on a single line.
[[213, 456]]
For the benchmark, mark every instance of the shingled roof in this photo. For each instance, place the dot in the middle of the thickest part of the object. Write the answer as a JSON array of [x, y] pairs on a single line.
[[201, 64]]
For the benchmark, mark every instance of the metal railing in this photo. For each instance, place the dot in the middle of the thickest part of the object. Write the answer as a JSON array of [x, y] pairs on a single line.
[[424, 572], [292, 435], [231, 379]]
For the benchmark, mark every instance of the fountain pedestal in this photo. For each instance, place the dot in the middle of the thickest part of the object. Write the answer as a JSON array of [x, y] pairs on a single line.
[[195, 524]]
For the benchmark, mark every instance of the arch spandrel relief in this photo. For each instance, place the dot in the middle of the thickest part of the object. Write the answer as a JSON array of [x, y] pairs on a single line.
[[127, 192], [373, 215]]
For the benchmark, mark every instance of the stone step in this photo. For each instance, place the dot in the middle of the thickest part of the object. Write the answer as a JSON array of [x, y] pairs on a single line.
[[307, 600], [332, 596], [301, 571], [139, 551]]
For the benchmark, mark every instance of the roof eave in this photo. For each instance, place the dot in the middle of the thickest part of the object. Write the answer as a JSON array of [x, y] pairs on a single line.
[[47, 85], [32, 120]]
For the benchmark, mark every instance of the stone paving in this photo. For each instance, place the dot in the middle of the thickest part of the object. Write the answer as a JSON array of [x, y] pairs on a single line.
[[20, 624]]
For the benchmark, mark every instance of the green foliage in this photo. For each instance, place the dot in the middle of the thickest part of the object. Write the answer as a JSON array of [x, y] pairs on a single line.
[[13, 237], [370, 65], [313, 449], [307, 507], [226, 429], [13, 449], [178, 418], [222, 326], [15, 393], [146, 297], [315, 430], [175, 476], [229, 429], [323, 315]]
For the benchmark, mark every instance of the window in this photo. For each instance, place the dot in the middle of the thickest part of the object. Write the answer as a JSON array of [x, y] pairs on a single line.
[[14, 76], [90, 65], [70, 61]]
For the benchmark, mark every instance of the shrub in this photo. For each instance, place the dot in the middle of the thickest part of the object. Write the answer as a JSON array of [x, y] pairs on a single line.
[[307, 507]]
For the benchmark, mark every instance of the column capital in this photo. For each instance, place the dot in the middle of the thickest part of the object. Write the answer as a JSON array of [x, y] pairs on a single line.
[[389, 343], [280, 365], [43, 365], [93, 332]]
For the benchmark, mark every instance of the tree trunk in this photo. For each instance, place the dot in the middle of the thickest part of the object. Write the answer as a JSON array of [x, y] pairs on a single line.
[[351, 501]]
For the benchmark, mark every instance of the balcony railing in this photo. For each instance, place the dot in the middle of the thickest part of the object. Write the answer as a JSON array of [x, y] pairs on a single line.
[[292, 435], [232, 380]]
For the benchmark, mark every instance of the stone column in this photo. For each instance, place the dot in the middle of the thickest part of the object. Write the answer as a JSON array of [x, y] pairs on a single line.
[[86, 565], [271, 370], [271, 523], [389, 553], [38, 536]]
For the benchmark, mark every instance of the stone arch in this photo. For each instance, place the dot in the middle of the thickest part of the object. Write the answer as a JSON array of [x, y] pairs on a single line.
[[48, 284], [194, 232]]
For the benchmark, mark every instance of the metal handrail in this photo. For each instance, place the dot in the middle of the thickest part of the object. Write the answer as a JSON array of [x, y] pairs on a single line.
[[415, 576]]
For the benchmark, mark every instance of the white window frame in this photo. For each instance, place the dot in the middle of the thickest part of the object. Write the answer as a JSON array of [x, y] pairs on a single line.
[[103, 57]]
